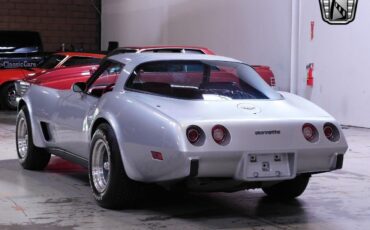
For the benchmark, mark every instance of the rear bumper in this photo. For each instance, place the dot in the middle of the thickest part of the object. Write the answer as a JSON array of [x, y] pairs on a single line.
[[304, 162], [233, 165], [202, 183]]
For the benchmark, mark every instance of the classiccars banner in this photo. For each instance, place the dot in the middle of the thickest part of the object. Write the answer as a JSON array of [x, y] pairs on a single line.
[[11, 63]]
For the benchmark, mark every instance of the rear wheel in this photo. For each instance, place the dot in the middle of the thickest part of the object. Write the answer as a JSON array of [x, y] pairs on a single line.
[[289, 189], [30, 156], [111, 186], [8, 96]]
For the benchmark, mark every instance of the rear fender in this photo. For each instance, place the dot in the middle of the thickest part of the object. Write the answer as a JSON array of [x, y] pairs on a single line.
[[37, 138], [140, 129]]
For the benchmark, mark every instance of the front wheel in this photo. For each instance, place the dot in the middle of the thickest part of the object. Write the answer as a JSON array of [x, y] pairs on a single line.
[[289, 189], [111, 186], [8, 96], [30, 156]]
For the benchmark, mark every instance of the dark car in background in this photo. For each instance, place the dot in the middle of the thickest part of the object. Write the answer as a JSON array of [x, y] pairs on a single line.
[[20, 49]]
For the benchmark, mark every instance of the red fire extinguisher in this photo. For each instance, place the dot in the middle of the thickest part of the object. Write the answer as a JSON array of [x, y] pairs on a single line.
[[310, 68]]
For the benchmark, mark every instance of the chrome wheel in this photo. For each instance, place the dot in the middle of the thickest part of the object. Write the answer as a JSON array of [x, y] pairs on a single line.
[[30, 156], [12, 96], [22, 138], [100, 165]]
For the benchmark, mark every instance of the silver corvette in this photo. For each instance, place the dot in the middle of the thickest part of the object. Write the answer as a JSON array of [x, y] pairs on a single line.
[[195, 122]]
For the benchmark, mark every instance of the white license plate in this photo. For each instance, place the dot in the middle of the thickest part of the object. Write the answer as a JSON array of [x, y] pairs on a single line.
[[269, 166]]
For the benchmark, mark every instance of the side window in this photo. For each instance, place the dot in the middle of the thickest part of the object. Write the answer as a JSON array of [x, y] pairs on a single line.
[[75, 61], [106, 79]]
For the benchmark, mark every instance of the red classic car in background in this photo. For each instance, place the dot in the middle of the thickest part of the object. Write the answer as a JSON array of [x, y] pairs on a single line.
[[266, 74], [63, 78], [162, 49], [55, 61], [264, 71]]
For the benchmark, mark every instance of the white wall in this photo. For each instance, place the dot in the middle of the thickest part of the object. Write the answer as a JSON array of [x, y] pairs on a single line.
[[342, 56], [255, 31], [260, 32]]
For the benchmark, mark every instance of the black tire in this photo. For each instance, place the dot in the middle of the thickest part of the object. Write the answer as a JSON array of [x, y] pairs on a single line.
[[120, 191], [31, 157], [289, 189], [8, 96]]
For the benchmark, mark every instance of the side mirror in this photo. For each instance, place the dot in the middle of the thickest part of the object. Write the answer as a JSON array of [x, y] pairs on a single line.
[[79, 87]]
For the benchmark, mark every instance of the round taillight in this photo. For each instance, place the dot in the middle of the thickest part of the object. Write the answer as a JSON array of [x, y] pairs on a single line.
[[331, 132], [219, 134], [310, 132], [328, 132], [194, 134]]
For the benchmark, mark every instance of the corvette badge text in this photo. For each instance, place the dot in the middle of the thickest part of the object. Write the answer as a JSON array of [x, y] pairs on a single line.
[[338, 12], [271, 132]]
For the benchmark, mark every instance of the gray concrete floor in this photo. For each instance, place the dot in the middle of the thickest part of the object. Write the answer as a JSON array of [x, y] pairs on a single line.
[[60, 198]]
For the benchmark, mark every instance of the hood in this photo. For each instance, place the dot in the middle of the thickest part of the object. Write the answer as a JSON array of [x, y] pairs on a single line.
[[60, 74]]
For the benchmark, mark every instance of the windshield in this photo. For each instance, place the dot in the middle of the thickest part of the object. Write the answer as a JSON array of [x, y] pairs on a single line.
[[207, 80], [52, 61], [76, 61]]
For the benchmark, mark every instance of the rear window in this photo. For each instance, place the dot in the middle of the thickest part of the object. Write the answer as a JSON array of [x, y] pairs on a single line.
[[207, 80], [75, 61], [20, 42]]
